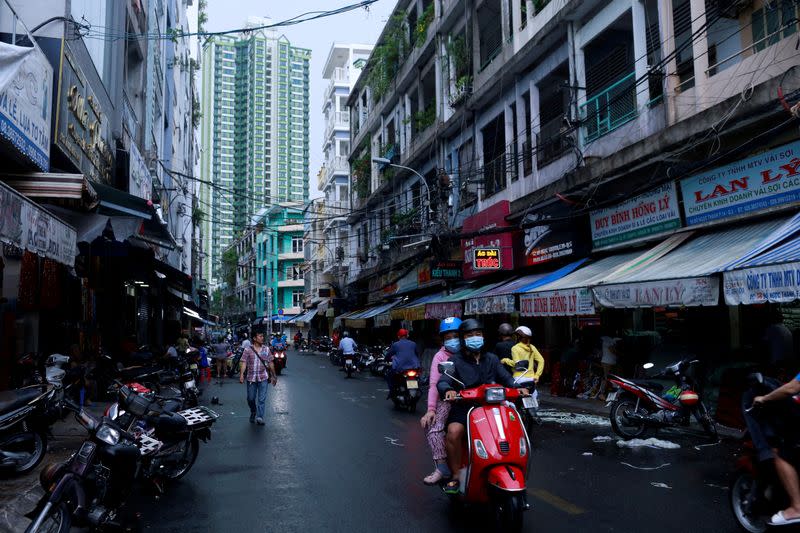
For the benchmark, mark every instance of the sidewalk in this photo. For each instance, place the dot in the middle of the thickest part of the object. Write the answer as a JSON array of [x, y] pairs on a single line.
[[19, 495]]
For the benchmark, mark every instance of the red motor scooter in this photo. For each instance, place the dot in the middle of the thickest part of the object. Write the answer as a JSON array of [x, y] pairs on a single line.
[[495, 453]]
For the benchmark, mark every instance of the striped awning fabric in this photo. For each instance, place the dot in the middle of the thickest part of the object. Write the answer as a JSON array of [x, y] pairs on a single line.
[[55, 186]]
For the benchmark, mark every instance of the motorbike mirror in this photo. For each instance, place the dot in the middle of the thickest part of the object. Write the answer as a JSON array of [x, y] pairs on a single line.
[[648, 366], [521, 365], [446, 367]]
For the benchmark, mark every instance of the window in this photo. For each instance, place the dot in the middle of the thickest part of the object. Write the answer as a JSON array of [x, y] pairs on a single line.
[[768, 21], [297, 298], [294, 272], [297, 245]]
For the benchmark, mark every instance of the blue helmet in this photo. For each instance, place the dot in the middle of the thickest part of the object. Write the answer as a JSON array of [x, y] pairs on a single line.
[[449, 324]]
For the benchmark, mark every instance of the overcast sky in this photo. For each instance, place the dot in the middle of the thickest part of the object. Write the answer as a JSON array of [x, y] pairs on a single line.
[[359, 26]]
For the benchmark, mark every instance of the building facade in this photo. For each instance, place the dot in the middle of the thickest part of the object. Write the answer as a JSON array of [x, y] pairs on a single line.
[[254, 131], [280, 285]]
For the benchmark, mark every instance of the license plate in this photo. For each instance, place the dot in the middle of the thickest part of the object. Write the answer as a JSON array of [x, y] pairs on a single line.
[[412, 384], [612, 396], [193, 366], [348, 361], [529, 402]]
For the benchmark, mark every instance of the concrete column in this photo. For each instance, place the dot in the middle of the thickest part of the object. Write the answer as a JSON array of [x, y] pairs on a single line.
[[577, 73], [666, 35], [536, 127], [516, 17], [700, 46], [520, 133], [508, 31], [640, 54], [508, 119]]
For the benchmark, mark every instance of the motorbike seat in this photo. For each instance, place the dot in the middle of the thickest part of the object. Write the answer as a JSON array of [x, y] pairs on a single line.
[[168, 422], [11, 400], [652, 385]]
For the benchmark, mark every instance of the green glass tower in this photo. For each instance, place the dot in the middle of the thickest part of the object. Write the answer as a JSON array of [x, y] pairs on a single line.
[[254, 133]]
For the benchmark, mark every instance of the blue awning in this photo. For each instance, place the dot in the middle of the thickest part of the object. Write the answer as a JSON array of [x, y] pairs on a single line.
[[787, 252]]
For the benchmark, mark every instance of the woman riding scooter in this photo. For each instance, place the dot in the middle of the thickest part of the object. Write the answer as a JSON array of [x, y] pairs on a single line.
[[525, 351], [434, 420]]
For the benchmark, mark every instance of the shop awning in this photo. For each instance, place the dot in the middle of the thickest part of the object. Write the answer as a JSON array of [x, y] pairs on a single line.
[[116, 202], [29, 226], [571, 295], [502, 298], [448, 304], [414, 309], [788, 252], [305, 317], [53, 186], [682, 277]]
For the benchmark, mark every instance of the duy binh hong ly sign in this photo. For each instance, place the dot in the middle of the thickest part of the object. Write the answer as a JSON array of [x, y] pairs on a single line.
[[754, 184]]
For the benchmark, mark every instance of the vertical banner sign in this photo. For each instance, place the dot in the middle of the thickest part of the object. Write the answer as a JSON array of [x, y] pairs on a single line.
[[754, 184], [140, 181], [26, 86], [652, 213]]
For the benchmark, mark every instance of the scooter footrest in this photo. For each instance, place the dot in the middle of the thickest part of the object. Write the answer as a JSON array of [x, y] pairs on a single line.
[[197, 416]]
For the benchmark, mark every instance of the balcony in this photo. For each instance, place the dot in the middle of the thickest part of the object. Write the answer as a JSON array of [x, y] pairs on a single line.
[[611, 108], [290, 256], [291, 283], [129, 117], [341, 78], [337, 120], [337, 165]]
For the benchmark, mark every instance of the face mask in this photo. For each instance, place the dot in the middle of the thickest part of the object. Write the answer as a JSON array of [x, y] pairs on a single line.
[[452, 345], [474, 343]]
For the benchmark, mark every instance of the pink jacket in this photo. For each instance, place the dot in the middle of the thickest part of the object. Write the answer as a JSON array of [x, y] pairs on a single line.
[[433, 393]]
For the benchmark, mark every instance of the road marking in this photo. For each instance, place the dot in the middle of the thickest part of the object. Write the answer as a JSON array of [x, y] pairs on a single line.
[[645, 467], [397, 422], [559, 503], [394, 442]]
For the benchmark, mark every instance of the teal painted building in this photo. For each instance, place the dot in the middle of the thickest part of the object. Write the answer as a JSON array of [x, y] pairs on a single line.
[[279, 258]]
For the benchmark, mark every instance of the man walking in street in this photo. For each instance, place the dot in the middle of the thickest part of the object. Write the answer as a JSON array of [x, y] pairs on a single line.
[[256, 365]]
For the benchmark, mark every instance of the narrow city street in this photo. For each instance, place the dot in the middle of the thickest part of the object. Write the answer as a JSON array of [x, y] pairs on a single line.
[[335, 456]]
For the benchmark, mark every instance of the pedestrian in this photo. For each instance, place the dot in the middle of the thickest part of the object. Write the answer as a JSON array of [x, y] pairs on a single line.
[[256, 366], [220, 351], [433, 421], [609, 346]]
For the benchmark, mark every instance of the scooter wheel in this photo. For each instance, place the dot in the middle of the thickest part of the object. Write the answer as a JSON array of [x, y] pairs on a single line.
[[620, 423], [739, 492]]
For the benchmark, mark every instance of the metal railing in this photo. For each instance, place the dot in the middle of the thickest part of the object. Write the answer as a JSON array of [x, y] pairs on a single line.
[[609, 109], [550, 142], [337, 163], [340, 76], [129, 116], [337, 119]]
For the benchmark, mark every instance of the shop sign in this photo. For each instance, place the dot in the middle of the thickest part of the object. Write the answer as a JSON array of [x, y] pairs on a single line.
[[547, 240], [28, 226], [686, 292], [409, 313], [774, 283], [486, 259], [490, 305], [83, 130], [754, 184], [651, 213], [447, 270], [383, 320], [26, 88], [569, 302], [489, 220], [442, 310], [140, 182]]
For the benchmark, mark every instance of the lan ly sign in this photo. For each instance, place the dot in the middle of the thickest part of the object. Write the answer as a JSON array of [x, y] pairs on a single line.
[[486, 259]]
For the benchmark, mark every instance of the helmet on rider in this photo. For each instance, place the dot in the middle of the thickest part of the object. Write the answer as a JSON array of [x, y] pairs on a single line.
[[449, 324], [505, 329], [471, 333], [524, 331], [402, 333], [345, 333]]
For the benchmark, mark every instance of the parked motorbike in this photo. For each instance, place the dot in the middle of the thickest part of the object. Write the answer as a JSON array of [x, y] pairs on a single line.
[[636, 405], [756, 492], [26, 415], [232, 364], [90, 488], [179, 431], [279, 358], [495, 453], [405, 391], [324, 344], [335, 356]]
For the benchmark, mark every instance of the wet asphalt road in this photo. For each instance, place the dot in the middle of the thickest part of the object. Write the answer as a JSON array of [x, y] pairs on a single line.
[[334, 456]]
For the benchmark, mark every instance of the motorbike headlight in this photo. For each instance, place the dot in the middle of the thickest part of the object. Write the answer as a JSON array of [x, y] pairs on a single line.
[[108, 434], [495, 395]]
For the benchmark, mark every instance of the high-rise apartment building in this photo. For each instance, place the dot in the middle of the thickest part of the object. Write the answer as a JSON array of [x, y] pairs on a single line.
[[254, 132]]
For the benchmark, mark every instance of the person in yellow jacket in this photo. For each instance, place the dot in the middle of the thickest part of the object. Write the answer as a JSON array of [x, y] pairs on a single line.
[[525, 351]]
